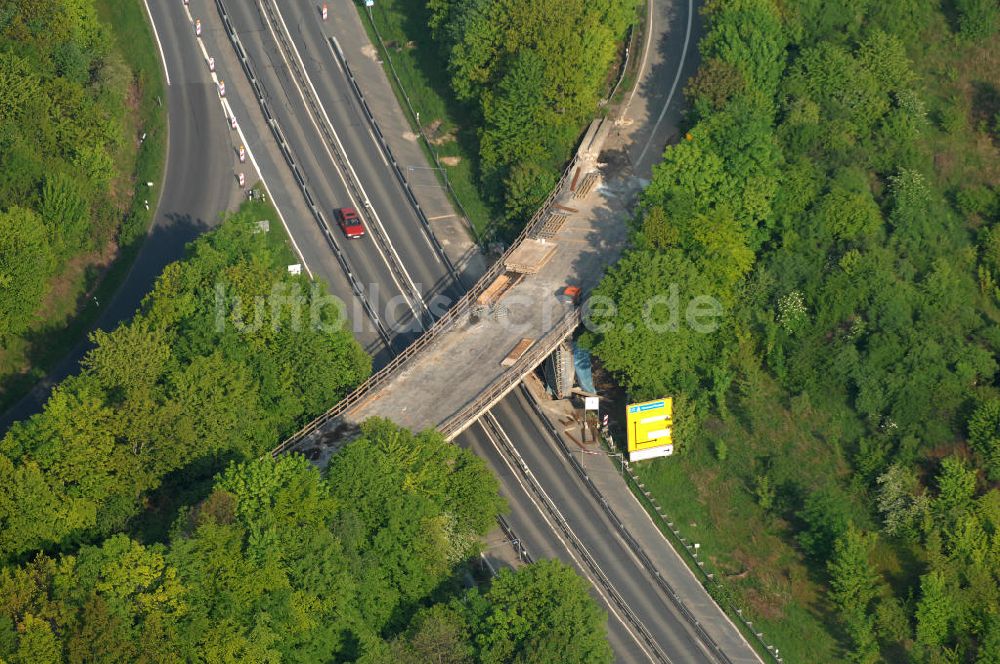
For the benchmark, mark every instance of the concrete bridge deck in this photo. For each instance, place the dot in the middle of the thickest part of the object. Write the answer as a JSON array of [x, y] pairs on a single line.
[[457, 370]]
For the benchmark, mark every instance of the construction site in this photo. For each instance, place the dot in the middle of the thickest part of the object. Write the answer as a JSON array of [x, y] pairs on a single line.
[[508, 323]]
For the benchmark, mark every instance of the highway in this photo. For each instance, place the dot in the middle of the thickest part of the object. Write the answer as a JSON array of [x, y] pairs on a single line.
[[674, 639], [402, 274], [396, 262], [308, 131], [585, 518], [198, 186]]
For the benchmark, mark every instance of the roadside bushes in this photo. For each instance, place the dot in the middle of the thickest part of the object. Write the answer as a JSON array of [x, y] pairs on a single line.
[[63, 149], [850, 239], [534, 72], [193, 376], [281, 562]]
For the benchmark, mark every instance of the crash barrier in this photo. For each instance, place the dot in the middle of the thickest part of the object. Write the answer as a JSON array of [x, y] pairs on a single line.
[[415, 117], [286, 152], [457, 313], [509, 379], [626, 535], [384, 145], [690, 555], [494, 430]]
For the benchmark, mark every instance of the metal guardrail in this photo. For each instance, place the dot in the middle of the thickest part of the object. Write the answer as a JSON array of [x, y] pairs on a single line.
[[420, 130], [697, 566], [384, 145], [441, 325], [335, 148], [493, 429], [300, 180], [516, 542], [634, 545], [509, 379]]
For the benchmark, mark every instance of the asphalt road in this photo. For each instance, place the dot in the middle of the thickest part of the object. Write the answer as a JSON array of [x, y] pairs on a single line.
[[541, 539], [423, 271], [334, 89], [199, 183], [330, 85], [587, 520], [198, 186]]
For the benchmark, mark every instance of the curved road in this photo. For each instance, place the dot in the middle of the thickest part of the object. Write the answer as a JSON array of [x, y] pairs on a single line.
[[655, 112], [584, 515], [198, 185]]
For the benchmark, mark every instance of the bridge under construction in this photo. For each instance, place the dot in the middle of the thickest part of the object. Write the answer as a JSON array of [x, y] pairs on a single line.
[[505, 325]]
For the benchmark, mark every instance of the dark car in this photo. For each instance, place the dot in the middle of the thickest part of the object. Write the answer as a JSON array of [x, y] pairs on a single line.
[[350, 222]]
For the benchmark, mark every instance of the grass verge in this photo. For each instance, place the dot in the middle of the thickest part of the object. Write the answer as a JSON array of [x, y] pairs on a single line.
[[29, 358], [423, 86]]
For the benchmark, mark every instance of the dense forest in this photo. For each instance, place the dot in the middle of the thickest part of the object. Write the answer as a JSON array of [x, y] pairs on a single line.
[[73, 106], [282, 564], [532, 73], [838, 192], [198, 376], [116, 548]]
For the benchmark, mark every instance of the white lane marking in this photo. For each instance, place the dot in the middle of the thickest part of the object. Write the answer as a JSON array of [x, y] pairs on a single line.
[[673, 88], [378, 147], [645, 55], [370, 205], [227, 111], [260, 174], [343, 178], [555, 531], [683, 565], [156, 35]]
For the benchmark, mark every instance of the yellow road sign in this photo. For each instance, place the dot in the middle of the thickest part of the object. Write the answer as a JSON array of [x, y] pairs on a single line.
[[650, 428]]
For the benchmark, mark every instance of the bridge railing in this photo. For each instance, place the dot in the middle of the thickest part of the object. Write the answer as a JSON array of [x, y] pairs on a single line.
[[449, 319], [538, 351]]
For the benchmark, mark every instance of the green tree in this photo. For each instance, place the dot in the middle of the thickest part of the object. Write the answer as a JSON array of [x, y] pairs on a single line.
[[984, 435], [935, 611], [853, 586], [978, 20], [826, 517], [36, 644], [956, 486], [437, 634], [25, 263], [526, 188], [65, 211], [542, 611]]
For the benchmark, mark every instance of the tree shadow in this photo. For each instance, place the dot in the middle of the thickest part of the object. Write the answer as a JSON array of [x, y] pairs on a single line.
[[183, 488], [986, 108], [164, 244]]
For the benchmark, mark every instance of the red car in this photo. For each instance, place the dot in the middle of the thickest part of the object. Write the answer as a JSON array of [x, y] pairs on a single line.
[[350, 223]]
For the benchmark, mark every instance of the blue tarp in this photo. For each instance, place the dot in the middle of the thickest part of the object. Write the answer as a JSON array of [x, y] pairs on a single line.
[[584, 375]]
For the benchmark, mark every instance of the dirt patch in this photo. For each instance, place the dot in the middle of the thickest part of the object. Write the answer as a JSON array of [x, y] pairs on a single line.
[[434, 134], [370, 52], [410, 136], [451, 161], [67, 284], [442, 139]]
